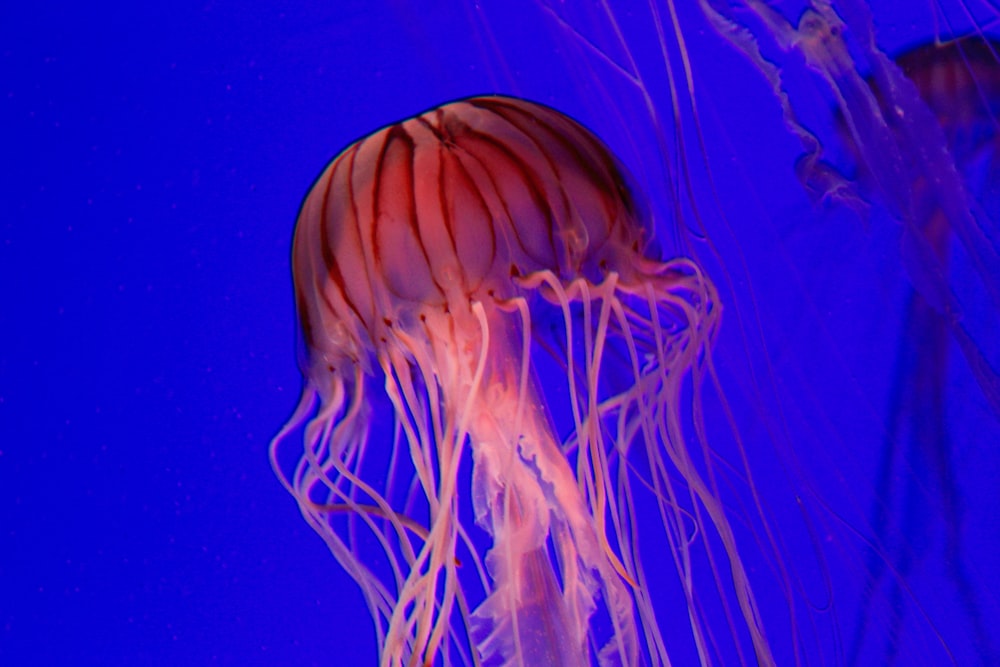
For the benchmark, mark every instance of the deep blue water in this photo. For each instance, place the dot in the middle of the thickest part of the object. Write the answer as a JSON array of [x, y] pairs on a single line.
[[154, 161]]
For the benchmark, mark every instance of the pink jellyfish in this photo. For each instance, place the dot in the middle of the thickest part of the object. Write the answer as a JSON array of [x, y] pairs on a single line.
[[494, 519]]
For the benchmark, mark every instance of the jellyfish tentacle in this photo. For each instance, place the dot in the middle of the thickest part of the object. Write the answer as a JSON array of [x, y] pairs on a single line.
[[702, 318], [651, 405], [421, 617], [628, 531], [331, 435]]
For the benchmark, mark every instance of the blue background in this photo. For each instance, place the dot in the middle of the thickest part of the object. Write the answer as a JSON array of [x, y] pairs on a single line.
[[154, 158]]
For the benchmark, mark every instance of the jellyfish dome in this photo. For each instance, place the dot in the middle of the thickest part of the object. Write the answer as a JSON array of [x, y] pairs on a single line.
[[487, 518]]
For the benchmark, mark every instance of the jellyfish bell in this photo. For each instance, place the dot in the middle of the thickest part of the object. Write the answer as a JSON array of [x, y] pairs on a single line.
[[959, 80], [424, 255]]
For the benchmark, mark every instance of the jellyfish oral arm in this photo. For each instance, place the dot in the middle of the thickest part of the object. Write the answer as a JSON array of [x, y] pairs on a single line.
[[526, 619], [546, 562]]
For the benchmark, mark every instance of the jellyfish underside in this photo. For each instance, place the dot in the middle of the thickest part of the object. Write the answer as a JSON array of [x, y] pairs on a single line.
[[427, 254]]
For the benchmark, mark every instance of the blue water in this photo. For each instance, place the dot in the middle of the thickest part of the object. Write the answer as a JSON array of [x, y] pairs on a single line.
[[154, 161]]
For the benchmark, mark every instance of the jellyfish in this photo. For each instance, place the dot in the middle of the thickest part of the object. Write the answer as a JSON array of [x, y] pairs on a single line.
[[959, 81], [607, 373], [922, 132], [488, 517]]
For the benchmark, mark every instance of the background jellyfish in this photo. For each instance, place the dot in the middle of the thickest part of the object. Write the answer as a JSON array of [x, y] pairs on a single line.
[[924, 137], [960, 83], [439, 257]]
